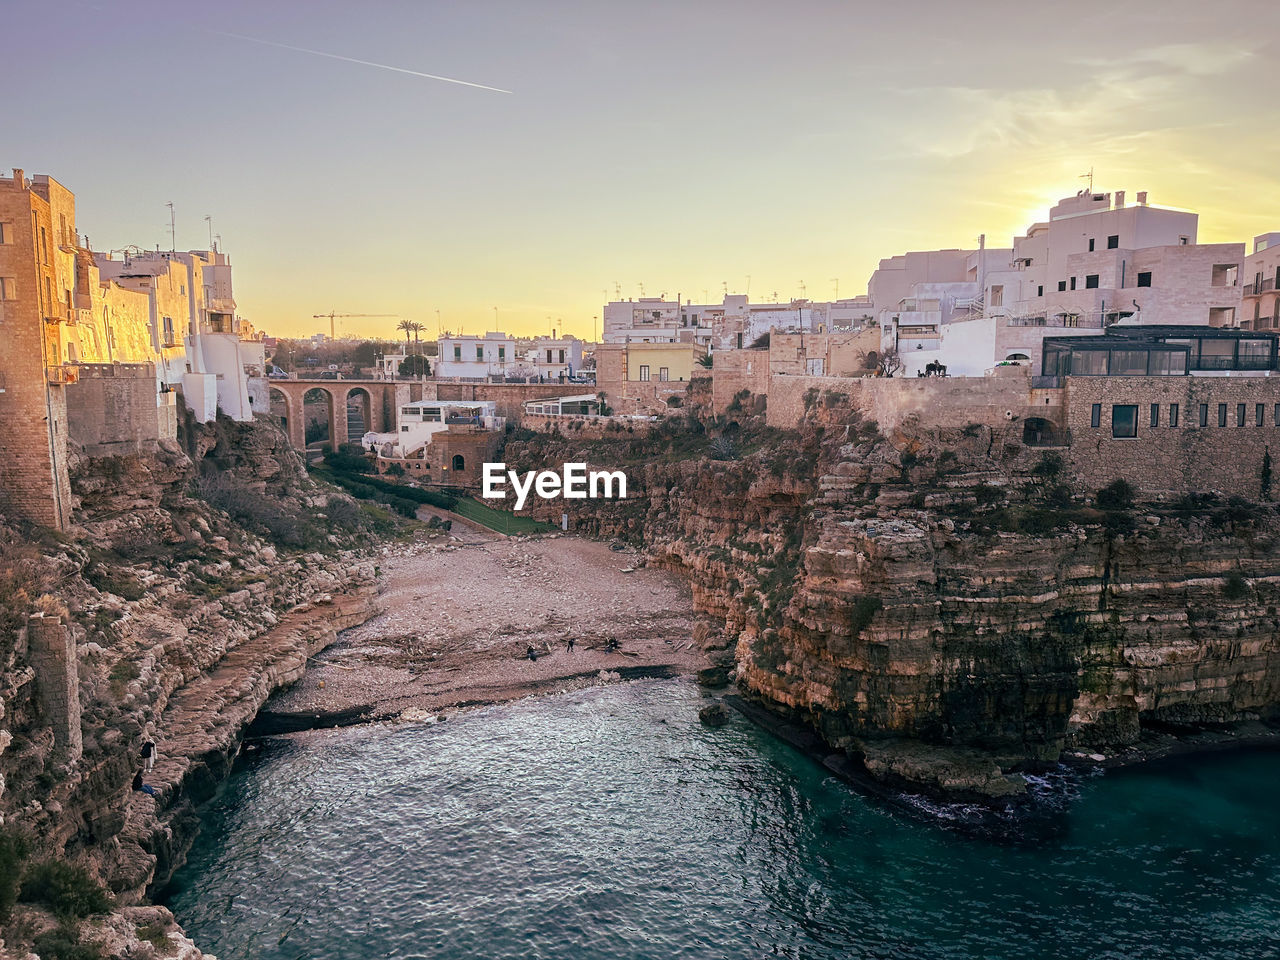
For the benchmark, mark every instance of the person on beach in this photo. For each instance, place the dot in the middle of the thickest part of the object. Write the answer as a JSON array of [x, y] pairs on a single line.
[[149, 755], [144, 787], [569, 643], [532, 654]]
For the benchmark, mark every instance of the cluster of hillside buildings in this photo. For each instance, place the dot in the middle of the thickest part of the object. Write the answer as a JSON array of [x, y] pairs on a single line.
[[98, 348], [1095, 262]]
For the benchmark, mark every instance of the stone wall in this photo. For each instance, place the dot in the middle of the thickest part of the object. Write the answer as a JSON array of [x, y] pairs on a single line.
[[588, 428], [33, 417], [1188, 457], [733, 371], [938, 402], [112, 409], [52, 654]]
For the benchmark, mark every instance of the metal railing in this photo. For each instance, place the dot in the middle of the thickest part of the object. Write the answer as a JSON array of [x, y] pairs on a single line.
[[1260, 286]]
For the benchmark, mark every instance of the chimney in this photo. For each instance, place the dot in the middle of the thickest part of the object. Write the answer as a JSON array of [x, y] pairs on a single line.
[[1119, 199], [17, 177], [1142, 198]]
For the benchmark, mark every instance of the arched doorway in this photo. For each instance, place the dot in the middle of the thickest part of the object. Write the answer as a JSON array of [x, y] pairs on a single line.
[[1038, 432], [359, 414], [459, 464]]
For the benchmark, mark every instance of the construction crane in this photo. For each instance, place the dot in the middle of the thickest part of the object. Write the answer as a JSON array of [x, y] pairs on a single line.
[[333, 333]]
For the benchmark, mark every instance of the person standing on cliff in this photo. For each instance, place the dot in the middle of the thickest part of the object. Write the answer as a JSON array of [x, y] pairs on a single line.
[[149, 754]]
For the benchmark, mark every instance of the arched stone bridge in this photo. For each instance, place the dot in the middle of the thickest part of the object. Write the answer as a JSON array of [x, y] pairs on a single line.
[[376, 401]]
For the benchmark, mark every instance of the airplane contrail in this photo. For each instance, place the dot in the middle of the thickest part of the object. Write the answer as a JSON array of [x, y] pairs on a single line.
[[367, 63]]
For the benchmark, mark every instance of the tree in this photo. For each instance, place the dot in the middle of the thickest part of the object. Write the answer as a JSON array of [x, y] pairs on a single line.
[[417, 329], [890, 362], [414, 366], [705, 361], [407, 327], [366, 353]]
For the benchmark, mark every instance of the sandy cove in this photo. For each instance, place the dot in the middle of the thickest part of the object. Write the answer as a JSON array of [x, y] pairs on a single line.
[[461, 615]]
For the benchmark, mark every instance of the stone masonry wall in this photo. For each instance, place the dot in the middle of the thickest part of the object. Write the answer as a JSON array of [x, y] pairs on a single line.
[[1188, 457], [52, 653], [112, 409]]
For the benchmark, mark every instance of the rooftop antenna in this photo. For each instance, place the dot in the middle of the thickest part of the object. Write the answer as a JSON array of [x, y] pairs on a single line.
[[803, 288], [641, 285], [173, 228], [617, 290], [209, 220], [217, 239], [1088, 176], [836, 281], [438, 327], [748, 286], [725, 284]]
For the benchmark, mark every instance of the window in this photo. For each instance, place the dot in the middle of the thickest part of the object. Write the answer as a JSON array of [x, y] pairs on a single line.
[[1113, 241], [458, 462], [1155, 414], [548, 356], [1222, 414], [1276, 416], [562, 356], [6, 232], [502, 354], [1089, 363], [1144, 279], [1124, 420], [1040, 292], [997, 295], [1095, 415], [44, 245], [1204, 414], [1062, 286], [1260, 414], [644, 371], [8, 288], [1091, 282], [457, 351], [664, 374], [168, 330], [1240, 414], [1183, 241], [479, 352], [1173, 414], [1091, 244], [1128, 363], [1073, 283]]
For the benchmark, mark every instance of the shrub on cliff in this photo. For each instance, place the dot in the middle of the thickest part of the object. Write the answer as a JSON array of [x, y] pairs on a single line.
[[13, 852], [64, 944], [1235, 587], [70, 891], [1117, 495]]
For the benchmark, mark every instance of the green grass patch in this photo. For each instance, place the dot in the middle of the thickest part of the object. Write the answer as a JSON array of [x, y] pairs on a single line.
[[70, 891], [498, 520]]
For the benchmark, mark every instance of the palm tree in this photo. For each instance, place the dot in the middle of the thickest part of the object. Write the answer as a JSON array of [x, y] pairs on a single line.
[[417, 329], [407, 326]]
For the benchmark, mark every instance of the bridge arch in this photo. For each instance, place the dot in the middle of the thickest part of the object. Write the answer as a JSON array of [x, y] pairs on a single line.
[[282, 406], [361, 414]]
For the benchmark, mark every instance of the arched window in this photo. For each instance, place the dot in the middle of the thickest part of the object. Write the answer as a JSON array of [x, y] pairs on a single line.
[[1275, 313], [458, 462]]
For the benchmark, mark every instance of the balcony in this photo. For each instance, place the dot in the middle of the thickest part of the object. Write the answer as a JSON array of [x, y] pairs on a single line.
[[64, 373], [1259, 287]]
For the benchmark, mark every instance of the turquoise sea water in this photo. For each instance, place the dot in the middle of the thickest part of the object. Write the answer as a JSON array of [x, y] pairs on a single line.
[[609, 824]]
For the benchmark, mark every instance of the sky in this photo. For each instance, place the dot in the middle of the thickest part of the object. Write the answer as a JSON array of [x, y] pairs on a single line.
[[685, 147]]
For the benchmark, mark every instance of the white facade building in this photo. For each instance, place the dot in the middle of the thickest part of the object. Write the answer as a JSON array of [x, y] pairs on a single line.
[[417, 423], [1096, 261], [195, 331], [472, 357]]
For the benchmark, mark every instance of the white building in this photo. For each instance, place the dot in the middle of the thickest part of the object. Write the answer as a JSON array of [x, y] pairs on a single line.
[[1261, 284], [472, 357], [732, 324], [1096, 261], [552, 358], [195, 331], [417, 423]]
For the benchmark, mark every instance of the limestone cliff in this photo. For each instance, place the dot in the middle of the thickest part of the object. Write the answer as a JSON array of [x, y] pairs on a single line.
[[195, 582], [947, 589]]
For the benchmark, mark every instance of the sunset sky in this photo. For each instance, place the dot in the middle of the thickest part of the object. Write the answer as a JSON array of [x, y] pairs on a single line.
[[682, 145]]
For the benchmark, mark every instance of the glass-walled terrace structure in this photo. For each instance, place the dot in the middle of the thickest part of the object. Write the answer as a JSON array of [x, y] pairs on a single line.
[[1142, 351]]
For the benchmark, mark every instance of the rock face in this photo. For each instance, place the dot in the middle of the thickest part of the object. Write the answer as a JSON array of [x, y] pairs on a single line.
[[949, 589], [196, 583]]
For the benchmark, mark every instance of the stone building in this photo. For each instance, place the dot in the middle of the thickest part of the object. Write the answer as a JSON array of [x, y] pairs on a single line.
[[639, 378], [37, 280]]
